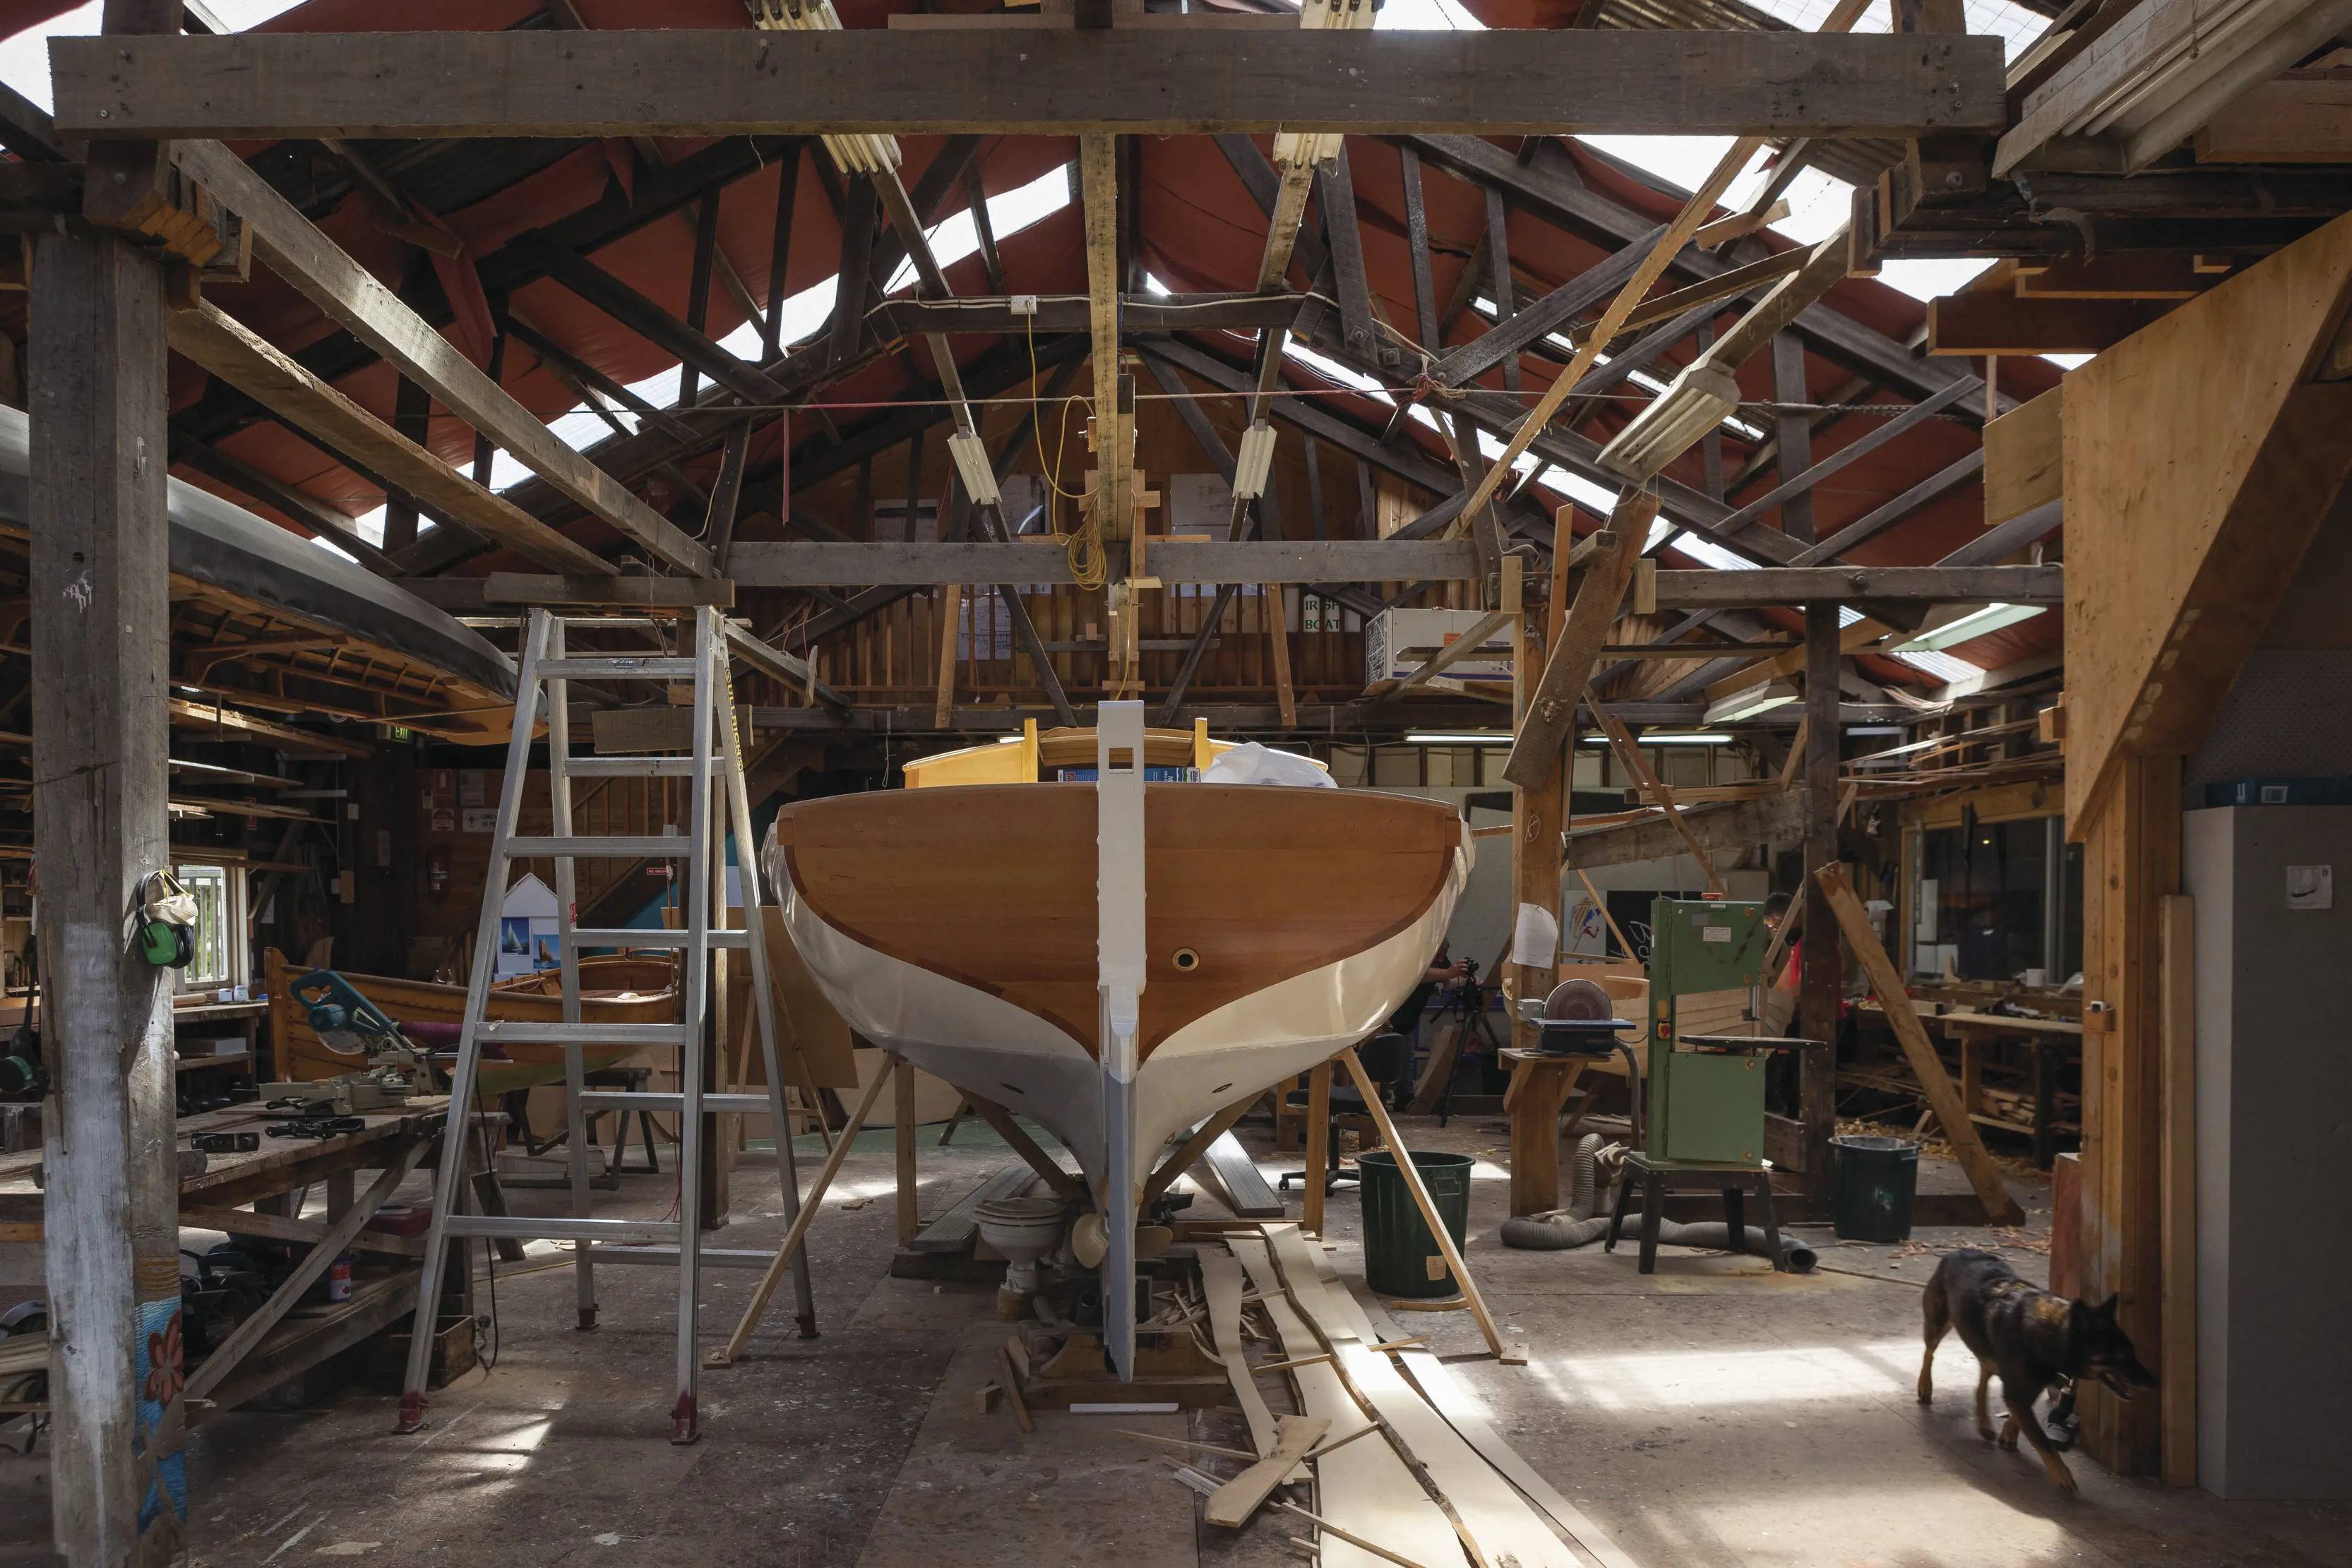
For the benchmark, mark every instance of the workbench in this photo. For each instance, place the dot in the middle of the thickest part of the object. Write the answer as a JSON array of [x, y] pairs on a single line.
[[1975, 1034], [289, 1334]]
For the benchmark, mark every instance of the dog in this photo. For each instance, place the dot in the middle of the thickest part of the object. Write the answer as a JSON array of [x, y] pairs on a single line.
[[2033, 1339]]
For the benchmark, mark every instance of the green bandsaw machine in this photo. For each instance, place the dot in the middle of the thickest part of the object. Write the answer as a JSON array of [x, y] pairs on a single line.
[[1705, 1078]]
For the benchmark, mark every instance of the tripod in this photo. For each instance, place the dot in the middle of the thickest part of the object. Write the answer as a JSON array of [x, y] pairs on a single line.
[[1467, 1009]]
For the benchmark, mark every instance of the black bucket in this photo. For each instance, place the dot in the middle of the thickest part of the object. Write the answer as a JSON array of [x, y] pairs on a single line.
[[1877, 1180]]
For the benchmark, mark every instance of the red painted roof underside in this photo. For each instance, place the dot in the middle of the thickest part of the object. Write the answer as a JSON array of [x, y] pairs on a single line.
[[1199, 229]]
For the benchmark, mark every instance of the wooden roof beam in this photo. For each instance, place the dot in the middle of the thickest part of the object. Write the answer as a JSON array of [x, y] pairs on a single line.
[[326, 275], [210, 338], [692, 82]]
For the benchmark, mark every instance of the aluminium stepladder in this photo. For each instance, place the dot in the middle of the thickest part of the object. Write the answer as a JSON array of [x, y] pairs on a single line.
[[714, 761]]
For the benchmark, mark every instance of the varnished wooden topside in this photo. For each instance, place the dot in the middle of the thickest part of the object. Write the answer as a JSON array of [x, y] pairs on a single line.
[[993, 885]]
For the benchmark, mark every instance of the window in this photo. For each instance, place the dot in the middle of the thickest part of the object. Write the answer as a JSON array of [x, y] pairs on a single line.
[[220, 959]]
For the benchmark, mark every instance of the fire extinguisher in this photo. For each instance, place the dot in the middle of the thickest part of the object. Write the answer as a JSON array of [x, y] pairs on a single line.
[[436, 872]]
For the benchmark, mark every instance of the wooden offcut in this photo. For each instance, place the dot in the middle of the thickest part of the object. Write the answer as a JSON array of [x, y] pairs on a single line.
[[1232, 1504]]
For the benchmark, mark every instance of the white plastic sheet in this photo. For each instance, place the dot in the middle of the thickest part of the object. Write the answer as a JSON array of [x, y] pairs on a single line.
[[1256, 764]]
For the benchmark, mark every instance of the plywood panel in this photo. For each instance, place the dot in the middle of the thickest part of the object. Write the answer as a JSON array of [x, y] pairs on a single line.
[[2024, 457], [2199, 461]]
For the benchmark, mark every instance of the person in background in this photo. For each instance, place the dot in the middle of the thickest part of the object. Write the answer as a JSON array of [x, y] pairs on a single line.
[[1444, 973]]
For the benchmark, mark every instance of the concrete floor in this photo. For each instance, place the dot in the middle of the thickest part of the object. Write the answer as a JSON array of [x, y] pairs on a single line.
[[1711, 1414]]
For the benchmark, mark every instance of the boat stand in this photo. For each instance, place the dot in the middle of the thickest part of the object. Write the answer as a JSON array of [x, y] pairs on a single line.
[[713, 766]]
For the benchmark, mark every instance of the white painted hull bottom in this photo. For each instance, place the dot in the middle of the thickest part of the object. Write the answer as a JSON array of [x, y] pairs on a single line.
[[985, 1045]]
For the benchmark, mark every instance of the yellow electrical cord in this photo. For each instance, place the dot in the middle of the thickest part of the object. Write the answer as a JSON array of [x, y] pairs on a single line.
[[1089, 566]]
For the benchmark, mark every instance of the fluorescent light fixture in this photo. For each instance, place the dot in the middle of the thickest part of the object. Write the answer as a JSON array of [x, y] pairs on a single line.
[[1748, 703], [1668, 739], [1008, 740], [971, 462], [1674, 422], [1976, 624], [1481, 737], [1256, 458]]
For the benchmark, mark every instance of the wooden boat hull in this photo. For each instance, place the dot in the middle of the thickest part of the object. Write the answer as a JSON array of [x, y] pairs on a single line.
[[956, 926], [613, 990]]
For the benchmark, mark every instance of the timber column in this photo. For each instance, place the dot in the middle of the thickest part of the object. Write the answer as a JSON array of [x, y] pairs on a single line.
[[101, 565], [1821, 975]]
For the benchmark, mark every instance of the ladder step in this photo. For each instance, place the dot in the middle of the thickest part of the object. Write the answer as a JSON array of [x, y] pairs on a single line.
[[631, 937], [605, 667], [667, 1256], [656, 1099], [629, 767], [550, 1228], [667, 847], [532, 1031]]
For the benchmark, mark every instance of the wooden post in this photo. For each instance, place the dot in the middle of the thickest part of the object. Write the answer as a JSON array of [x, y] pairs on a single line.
[[2131, 859], [1538, 1090], [2178, 1375], [102, 627], [1821, 976], [902, 1087], [1277, 631], [1837, 899], [1319, 1145], [1535, 815], [951, 614], [1795, 430], [1370, 1091]]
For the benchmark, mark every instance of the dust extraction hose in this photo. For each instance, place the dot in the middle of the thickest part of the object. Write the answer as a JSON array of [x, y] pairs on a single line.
[[1578, 1226]]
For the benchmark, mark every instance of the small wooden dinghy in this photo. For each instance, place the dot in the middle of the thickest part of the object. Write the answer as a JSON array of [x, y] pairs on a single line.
[[958, 922], [614, 990]]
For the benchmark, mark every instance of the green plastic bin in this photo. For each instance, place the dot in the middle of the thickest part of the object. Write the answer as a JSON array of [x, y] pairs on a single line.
[[1397, 1243], [1877, 1179]]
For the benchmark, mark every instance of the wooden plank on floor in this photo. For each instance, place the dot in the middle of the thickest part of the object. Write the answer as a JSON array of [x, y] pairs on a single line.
[[1465, 1413], [1497, 1518], [953, 1231], [1364, 1488], [1246, 1188], [1222, 1277]]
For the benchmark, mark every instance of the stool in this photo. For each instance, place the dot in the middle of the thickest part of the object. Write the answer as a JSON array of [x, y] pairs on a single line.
[[634, 1080], [1659, 1177]]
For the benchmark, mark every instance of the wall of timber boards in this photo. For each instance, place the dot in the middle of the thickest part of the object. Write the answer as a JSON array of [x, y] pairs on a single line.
[[450, 811]]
